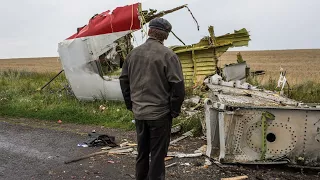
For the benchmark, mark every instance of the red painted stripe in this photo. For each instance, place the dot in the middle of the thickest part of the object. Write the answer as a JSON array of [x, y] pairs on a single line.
[[121, 19]]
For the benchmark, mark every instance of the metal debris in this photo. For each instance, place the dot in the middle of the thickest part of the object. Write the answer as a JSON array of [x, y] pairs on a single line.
[[171, 165], [248, 125], [201, 59], [121, 151], [176, 129], [202, 149], [183, 155], [236, 178], [194, 100], [185, 135]]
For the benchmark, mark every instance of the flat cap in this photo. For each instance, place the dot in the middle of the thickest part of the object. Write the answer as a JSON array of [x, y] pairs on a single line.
[[161, 24]]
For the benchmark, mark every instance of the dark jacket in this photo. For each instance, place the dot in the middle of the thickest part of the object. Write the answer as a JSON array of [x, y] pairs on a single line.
[[152, 81]]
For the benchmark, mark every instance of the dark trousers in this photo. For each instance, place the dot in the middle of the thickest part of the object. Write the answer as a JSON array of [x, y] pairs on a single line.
[[153, 137]]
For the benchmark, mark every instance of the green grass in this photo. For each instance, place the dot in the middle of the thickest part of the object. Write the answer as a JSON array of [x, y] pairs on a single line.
[[19, 98]]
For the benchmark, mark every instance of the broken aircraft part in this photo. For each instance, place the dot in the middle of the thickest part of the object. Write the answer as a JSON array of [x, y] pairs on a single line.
[[89, 56], [106, 38], [201, 60], [245, 125]]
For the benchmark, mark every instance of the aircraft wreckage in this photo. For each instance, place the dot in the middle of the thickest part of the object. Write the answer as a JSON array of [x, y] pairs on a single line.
[[243, 124]]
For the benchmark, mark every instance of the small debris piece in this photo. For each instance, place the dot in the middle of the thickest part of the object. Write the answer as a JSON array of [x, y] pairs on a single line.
[[102, 108], [185, 135], [194, 100], [186, 164], [135, 152], [170, 165], [127, 144], [106, 148], [59, 121], [112, 162], [183, 155], [131, 175], [96, 139], [207, 162], [82, 145], [168, 158], [176, 129], [124, 144], [191, 112], [236, 178], [121, 151], [202, 149]]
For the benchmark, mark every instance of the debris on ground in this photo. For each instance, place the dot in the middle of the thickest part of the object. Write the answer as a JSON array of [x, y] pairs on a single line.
[[82, 145], [170, 165], [121, 151], [194, 100], [202, 149], [96, 140], [185, 135], [168, 158], [175, 129], [236, 178], [183, 155], [102, 108], [106, 148], [126, 143]]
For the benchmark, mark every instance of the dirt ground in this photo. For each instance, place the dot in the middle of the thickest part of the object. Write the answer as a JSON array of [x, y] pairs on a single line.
[[41, 64], [34, 149], [301, 65]]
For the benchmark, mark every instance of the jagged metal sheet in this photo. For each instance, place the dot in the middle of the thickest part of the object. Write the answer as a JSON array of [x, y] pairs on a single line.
[[248, 96]]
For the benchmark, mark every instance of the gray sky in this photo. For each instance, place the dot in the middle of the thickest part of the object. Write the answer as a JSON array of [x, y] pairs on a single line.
[[33, 28]]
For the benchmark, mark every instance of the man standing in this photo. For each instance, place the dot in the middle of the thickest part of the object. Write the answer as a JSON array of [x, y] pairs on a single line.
[[153, 89]]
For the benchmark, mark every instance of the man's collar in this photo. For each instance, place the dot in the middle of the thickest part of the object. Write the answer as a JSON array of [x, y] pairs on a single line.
[[154, 39]]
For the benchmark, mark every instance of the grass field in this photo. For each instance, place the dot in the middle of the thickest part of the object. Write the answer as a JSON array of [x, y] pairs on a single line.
[[301, 65], [19, 97], [19, 79]]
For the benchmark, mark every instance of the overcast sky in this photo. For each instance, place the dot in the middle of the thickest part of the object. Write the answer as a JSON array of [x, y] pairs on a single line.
[[33, 28]]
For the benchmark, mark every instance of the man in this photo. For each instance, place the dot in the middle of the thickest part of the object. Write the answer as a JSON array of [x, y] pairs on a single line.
[[153, 88]]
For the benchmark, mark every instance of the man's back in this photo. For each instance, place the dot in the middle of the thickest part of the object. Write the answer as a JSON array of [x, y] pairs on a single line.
[[153, 88], [149, 68]]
